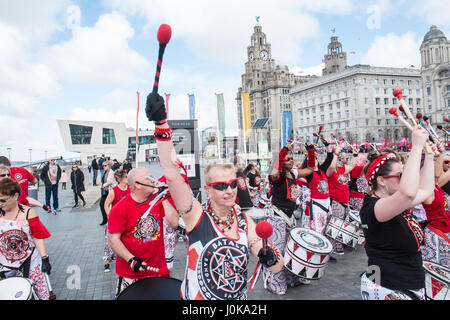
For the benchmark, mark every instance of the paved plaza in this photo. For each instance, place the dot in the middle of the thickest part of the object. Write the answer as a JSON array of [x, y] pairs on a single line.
[[76, 250]]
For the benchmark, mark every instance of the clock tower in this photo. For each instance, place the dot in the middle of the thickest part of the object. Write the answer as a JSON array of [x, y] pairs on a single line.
[[269, 87]]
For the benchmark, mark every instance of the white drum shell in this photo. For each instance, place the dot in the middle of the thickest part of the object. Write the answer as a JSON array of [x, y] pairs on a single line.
[[437, 285], [343, 231], [16, 288], [304, 261]]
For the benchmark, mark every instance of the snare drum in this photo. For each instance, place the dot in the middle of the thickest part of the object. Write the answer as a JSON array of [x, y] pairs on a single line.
[[17, 288], [263, 201], [307, 253], [437, 281], [343, 231], [156, 288]]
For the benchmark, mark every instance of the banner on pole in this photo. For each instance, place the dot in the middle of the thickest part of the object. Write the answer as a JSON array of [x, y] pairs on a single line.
[[287, 126], [191, 106], [167, 104], [221, 115], [247, 113]]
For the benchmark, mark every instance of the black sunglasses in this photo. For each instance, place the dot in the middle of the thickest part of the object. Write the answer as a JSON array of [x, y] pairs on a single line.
[[5, 175], [222, 186], [146, 185], [445, 161]]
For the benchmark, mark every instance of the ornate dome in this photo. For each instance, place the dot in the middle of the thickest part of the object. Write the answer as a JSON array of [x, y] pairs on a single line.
[[434, 33]]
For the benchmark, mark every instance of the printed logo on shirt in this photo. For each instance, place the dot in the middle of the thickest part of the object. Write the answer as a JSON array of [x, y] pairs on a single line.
[[241, 183], [342, 179], [18, 176], [222, 270], [415, 227], [294, 193], [14, 245], [147, 228], [323, 186]]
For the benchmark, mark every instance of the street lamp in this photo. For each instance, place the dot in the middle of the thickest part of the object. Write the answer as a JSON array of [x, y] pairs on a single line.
[[9, 153], [30, 155]]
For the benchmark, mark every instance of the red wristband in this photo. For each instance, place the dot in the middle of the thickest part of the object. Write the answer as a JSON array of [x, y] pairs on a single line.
[[311, 163], [281, 156], [163, 134]]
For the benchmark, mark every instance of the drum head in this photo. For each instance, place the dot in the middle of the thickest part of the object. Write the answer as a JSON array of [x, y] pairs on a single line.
[[437, 270], [156, 288], [311, 240], [15, 288]]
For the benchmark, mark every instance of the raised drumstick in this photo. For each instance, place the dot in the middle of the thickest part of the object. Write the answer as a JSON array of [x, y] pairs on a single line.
[[399, 95], [427, 121], [394, 112], [442, 129]]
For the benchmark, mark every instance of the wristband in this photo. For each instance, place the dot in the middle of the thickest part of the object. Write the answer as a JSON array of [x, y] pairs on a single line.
[[163, 134], [161, 122]]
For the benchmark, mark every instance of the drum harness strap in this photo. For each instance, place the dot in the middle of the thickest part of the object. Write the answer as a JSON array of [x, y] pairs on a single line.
[[317, 204]]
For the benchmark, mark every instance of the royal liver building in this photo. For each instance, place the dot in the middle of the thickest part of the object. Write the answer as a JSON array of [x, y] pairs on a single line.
[[350, 101]]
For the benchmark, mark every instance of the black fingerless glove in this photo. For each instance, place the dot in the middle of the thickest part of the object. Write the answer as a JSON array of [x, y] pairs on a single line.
[[267, 257], [136, 263], [46, 266], [155, 108], [309, 146], [325, 142], [47, 208]]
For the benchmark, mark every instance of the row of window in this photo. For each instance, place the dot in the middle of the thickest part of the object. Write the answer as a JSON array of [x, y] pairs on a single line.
[[83, 134]]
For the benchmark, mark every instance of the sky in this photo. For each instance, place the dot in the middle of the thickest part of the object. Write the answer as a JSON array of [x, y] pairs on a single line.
[[87, 59]]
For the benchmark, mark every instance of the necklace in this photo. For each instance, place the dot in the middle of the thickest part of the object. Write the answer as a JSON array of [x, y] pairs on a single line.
[[223, 224]]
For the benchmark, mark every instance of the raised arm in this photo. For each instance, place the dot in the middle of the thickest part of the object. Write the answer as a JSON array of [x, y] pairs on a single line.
[[189, 208]]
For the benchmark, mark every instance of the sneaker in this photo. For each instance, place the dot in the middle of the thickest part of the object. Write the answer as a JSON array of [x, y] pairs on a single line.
[[58, 210], [338, 252], [332, 259], [75, 206], [54, 212], [107, 269], [305, 281]]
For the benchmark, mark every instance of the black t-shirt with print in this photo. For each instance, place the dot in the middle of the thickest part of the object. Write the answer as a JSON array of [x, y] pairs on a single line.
[[244, 200], [284, 194], [394, 246], [253, 180]]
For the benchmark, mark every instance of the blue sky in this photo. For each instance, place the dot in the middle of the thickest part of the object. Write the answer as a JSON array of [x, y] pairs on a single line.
[[85, 59]]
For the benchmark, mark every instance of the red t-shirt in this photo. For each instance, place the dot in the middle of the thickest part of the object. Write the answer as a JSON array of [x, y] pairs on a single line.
[[144, 238], [438, 212], [119, 194], [319, 185], [355, 174], [338, 185], [23, 177]]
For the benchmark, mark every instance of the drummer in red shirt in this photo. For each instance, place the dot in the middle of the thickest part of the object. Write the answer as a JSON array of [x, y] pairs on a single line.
[[136, 229], [338, 189]]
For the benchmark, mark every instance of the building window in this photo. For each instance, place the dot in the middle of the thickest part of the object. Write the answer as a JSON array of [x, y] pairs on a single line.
[[418, 101], [379, 122], [367, 122], [80, 134], [377, 100], [388, 121], [322, 118], [331, 116], [378, 111], [108, 136], [346, 103], [429, 91], [386, 100]]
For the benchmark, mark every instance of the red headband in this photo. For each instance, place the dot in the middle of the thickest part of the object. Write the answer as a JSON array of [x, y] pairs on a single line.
[[375, 166]]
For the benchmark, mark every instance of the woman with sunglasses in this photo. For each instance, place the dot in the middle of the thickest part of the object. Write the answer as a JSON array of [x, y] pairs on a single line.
[[220, 236], [106, 185], [77, 180], [284, 193], [120, 191], [253, 179], [393, 236], [22, 240]]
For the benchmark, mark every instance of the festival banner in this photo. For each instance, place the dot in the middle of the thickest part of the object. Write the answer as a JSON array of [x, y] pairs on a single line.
[[221, 115], [246, 113], [191, 106], [383, 143], [388, 143], [287, 126], [167, 104]]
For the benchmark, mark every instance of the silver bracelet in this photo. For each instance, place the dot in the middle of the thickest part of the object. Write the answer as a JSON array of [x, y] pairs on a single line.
[[182, 213]]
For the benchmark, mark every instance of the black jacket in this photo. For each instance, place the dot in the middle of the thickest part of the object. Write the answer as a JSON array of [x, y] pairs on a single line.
[[94, 164], [45, 175], [77, 179], [127, 166]]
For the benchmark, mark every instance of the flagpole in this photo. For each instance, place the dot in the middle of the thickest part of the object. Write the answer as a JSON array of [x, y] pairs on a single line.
[[218, 131], [243, 129], [137, 130]]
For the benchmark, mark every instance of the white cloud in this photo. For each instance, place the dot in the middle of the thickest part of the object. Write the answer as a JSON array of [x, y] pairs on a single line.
[[394, 50], [98, 54], [432, 11], [220, 30], [313, 70]]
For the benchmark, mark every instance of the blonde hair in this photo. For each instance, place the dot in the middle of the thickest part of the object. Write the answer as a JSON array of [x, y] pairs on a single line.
[[221, 164], [4, 168]]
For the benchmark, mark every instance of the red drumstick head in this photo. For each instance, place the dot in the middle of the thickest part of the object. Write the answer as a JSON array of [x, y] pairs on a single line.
[[446, 119], [289, 140], [264, 229], [419, 115], [393, 111], [164, 33], [320, 129], [333, 135], [439, 127], [398, 94]]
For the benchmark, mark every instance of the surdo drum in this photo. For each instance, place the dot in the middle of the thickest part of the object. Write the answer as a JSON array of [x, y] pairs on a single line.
[[157, 288], [17, 288], [257, 214], [353, 217], [437, 281], [263, 201], [343, 231], [307, 253]]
